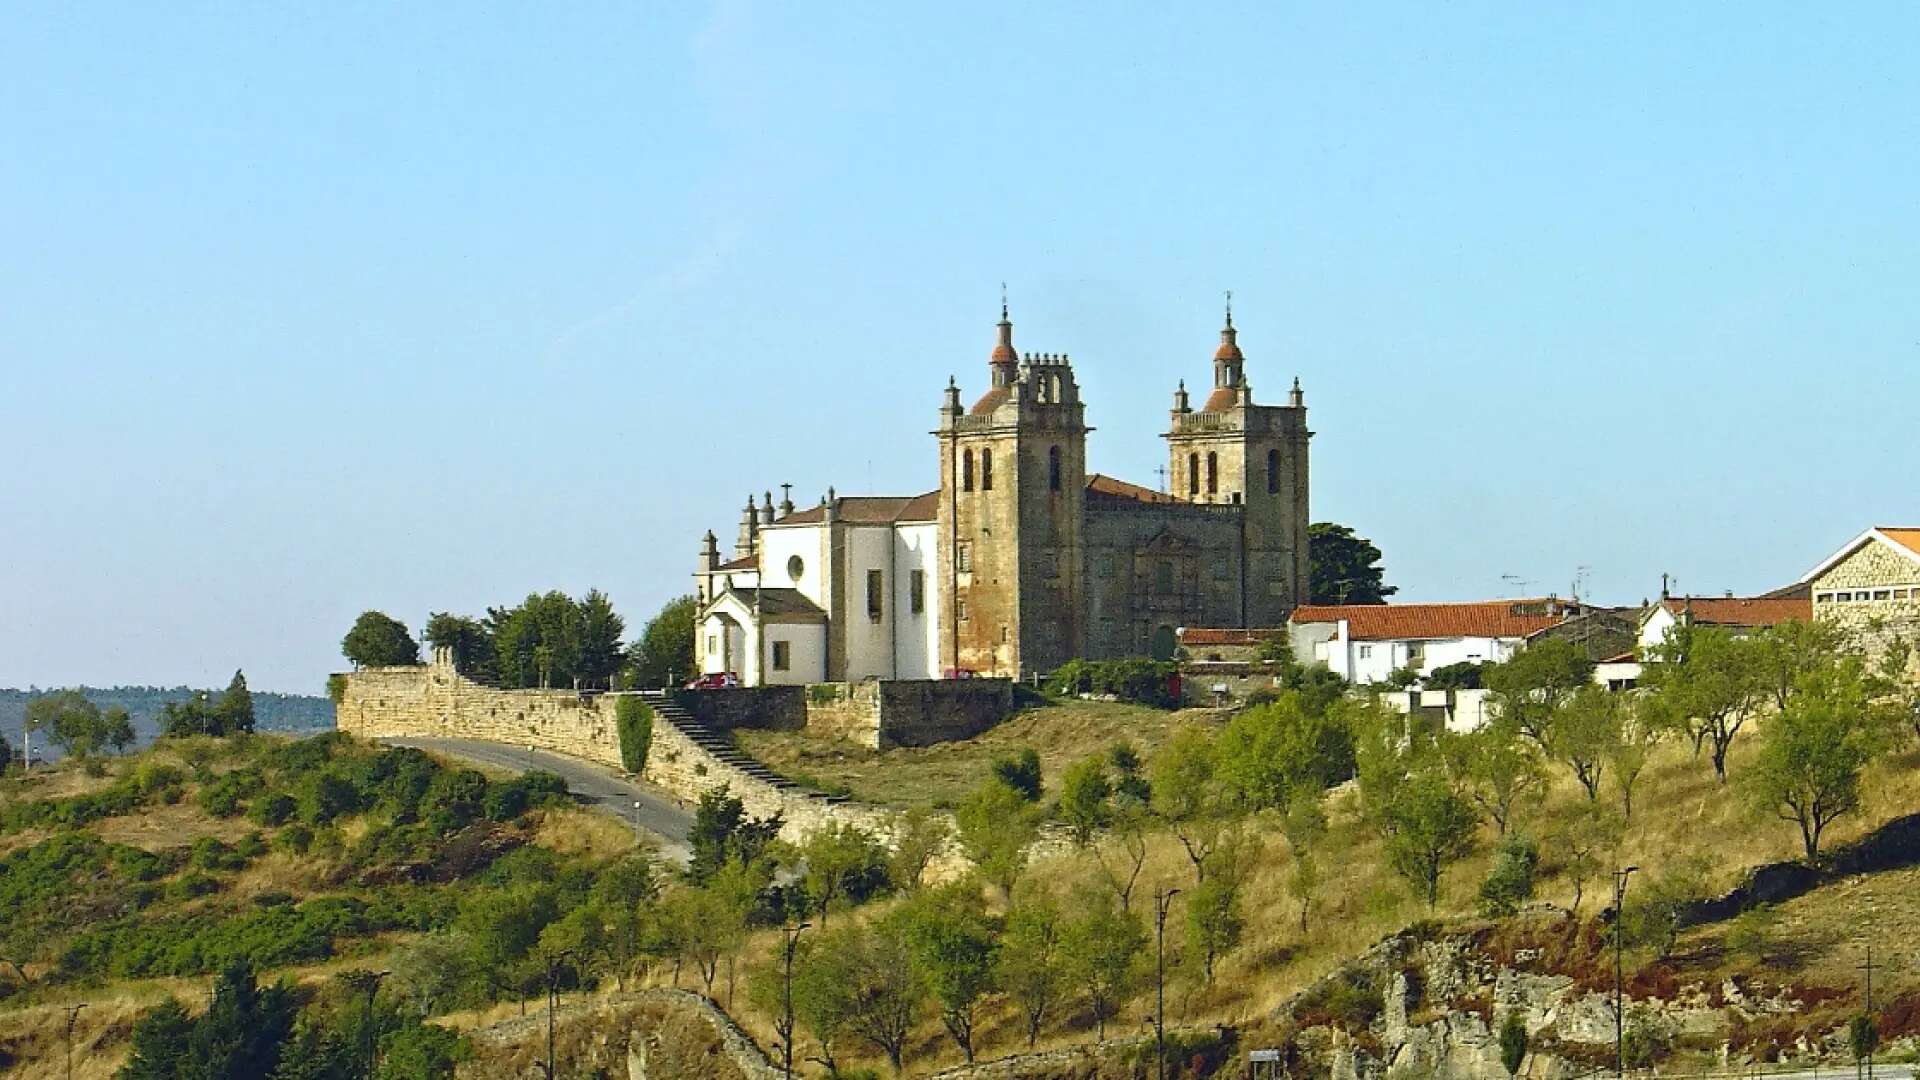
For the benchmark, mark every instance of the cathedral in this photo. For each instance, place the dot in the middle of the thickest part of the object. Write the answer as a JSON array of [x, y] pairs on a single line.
[[1021, 559]]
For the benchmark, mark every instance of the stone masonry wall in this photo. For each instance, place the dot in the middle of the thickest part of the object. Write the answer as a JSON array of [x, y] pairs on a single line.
[[1874, 623], [770, 708], [435, 701], [906, 712]]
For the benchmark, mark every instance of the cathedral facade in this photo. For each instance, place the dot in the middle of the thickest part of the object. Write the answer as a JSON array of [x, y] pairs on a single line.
[[1022, 559]]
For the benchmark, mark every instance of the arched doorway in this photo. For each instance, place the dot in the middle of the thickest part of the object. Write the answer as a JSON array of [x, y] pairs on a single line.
[[1162, 648]]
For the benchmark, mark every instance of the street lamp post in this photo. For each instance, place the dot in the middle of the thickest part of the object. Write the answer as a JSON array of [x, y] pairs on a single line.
[[73, 1015], [638, 836], [792, 934], [1162, 899], [1619, 1002]]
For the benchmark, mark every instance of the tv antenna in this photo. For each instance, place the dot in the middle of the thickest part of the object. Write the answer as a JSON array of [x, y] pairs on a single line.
[[1580, 575], [1516, 582]]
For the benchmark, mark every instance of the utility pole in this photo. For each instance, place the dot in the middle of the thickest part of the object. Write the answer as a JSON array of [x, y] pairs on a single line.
[[792, 934], [550, 1066], [73, 1015], [1162, 899], [1873, 1032], [1619, 1001]]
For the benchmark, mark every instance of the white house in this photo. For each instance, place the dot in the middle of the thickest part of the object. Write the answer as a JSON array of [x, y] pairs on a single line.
[[1741, 614], [839, 592], [1365, 643]]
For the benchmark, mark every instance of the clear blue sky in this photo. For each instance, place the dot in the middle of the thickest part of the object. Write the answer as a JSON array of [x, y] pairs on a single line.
[[392, 307]]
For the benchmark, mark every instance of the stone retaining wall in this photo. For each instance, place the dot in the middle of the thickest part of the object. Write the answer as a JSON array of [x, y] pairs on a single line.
[[436, 701], [878, 714]]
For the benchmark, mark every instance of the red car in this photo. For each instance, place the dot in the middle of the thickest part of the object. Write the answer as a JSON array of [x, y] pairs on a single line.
[[716, 680]]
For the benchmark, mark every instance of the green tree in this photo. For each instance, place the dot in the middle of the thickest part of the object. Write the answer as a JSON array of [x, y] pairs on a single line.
[[317, 1052], [417, 1051], [1104, 947], [1502, 773], [1305, 826], [994, 827], [888, 987], [6, 754], [954, 942], [234, 709], [71, 721], [1529, 689], [1215, 914], [841, 862], [1086, 800], [633, 719], [600, 630], [1268, 752], [379, 640], [919, 839], [467, 639], [664, 653], [244, 1030], [501, 927], [1463, 675], [1705, 682], [1585, 732], [1343, 568], [1786, 654], [1021, 772], [1426, 823], [1510, 883], [1813, 752], [160, 1050], [1640, 732], [824, 985], [1032, 966], [1188, 795], [116, 729], [722, 832]]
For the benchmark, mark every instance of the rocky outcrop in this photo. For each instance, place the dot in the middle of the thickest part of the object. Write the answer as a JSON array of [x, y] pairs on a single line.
[[656, 1034]]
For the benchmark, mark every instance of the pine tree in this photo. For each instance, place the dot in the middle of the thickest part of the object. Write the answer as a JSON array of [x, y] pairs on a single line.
[[234, 712]]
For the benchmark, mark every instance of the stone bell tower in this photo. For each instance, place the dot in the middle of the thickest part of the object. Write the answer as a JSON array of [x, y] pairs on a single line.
[[1233, 452], [1013, 480]]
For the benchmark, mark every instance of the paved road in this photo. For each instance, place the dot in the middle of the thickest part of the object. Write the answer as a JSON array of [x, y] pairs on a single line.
[[596, 784]]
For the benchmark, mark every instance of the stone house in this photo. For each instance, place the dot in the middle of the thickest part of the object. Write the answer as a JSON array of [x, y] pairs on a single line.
[[1871, 586], [1021, 559]]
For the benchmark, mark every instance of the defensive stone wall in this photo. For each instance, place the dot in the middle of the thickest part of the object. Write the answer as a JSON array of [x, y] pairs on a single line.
[[906, 712], [436, 701], [772, 708]]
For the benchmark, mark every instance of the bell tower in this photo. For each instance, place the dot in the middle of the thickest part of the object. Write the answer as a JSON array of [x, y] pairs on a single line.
[[1013, 481], [1234, 453]]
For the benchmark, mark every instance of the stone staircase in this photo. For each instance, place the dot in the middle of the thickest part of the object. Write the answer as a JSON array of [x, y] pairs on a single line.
[[721, 746]]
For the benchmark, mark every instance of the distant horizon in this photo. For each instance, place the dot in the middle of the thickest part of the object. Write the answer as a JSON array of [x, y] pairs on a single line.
[[381, 309]]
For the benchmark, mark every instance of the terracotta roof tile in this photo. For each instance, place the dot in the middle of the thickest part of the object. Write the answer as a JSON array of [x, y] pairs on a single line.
[[1200, 635], [1741, 611], [1108, 487], [1223, 399], [745, 562], [1413, 622], [870, 510], [991, 400]]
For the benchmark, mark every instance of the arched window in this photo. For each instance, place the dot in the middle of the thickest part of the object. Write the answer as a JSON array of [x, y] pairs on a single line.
[[966, 470], [1053, 468], [1273, 472], [1213, 473], [1193, 474], [986, 470]]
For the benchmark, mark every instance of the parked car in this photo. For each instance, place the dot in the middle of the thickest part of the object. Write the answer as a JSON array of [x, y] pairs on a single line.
[[958, 673], [715, 680]]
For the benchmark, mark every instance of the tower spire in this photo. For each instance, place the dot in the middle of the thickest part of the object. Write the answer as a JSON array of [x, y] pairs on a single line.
[[1227, 359], [1004, 361]]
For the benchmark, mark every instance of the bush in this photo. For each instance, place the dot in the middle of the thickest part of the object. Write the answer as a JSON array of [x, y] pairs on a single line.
[[1509, 883], [273, 810], [1148, 682], [634, 720], [227, 796], [1021, 772]]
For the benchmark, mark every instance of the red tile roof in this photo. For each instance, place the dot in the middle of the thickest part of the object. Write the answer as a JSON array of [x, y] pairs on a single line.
[[1098, 484], [1223, 399], [1741, 611], [1199, 635], [745, 562], [991, 400], [870, 510], [1415, 622]]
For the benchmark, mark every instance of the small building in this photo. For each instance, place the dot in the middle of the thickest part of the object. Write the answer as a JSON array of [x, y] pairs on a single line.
[[1739, 614], [1871, 586], [1366, 643]]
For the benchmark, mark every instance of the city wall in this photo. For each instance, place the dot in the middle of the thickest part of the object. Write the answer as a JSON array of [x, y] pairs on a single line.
[[906, 712], [436, 701]]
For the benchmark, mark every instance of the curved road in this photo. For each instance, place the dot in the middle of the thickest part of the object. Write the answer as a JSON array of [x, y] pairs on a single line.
[[593, 784]]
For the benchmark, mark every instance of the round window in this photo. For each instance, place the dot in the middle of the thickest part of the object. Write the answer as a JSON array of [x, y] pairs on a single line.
[[794, 567]]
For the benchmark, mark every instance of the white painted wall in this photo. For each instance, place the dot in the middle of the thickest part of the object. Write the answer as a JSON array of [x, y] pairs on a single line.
[[1363, 662], [1653, 631], [721, 640], [807, 653], [917, 637], [779, 544], [869, 641]]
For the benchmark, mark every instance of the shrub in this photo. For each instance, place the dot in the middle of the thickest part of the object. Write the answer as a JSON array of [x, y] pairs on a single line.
[[227, 795], [273, 810], [1021, 772], [1148, 682], [296, 838], [634, 720], [1509, 883]]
